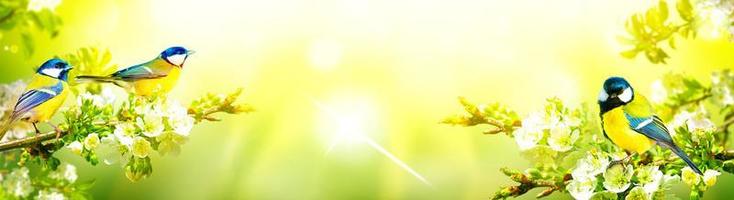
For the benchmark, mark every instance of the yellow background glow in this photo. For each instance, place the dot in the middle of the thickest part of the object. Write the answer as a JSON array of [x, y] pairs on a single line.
[[405, 61]]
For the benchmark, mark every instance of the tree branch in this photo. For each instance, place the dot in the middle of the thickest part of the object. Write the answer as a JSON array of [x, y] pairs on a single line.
[[527, 184], [724, 126], [28, 141], [693, 101], [5, 146], [726, 155]]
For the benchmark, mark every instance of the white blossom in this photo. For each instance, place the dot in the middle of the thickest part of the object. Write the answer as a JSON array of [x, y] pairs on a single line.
[[124, 132], [689, 176], [50, 195], [590, 166], [562, 137], [659, 93], [650, 178], [581, 189], [726, 96], [530, 133], [91, 141], [65, 172], [617, 178], [141, 147], [694, 121], [709, 177], [638, 193], [76, 147], [38, 5], [106, 98], [17, 183], [151, 124]]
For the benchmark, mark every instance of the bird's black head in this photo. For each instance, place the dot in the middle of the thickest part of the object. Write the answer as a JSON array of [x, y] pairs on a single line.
[[615, 92], [55, 68], [176, 55]]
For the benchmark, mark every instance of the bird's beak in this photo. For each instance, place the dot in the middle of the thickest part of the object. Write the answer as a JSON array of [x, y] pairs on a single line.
[[190, 52], [69, 67]]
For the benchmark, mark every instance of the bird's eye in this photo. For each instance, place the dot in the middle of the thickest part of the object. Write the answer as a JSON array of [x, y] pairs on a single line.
[[59, 65]]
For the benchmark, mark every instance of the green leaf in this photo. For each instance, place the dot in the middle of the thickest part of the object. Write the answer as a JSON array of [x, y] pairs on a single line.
[[685, 10], [663, 10], [630, 54]]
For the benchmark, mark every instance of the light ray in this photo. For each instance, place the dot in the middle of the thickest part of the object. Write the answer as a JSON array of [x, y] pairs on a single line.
[[357, 134]]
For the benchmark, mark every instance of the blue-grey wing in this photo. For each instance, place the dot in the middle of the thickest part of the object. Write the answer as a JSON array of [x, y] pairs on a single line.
[[32, 99], [138, 72], [652, 127]]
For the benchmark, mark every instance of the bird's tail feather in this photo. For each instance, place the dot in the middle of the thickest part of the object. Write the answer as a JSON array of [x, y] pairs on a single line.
[[6, 125], [685, 158], [103, 79], [100, 79]]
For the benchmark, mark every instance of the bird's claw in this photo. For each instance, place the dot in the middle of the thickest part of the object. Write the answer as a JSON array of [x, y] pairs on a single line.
[[622, 161], [56, 129], [616, 162]]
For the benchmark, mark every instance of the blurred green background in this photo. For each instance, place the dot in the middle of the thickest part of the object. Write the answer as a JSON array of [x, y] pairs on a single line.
[[385, 70]]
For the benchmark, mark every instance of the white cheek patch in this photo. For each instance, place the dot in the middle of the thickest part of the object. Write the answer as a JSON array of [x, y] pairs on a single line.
[[177, 60], [52, 72], [603, 95], [626, 95]]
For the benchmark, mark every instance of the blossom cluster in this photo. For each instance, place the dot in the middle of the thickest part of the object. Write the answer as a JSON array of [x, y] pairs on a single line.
[[127, 133], [570, 154], [48, 185], [716, 15], [100, 127], [556, 128]]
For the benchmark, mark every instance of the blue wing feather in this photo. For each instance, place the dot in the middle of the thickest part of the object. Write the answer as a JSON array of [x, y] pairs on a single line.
[[137, 72], [35, 97], [655, 129]]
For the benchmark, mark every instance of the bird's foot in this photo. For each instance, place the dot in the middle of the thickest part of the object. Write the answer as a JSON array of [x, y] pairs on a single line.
[[56, 129], [36, 128], [622, 161]]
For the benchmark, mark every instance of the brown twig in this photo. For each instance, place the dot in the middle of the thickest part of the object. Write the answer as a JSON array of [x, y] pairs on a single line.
[[527, 184], [692, 101], [25, 142], [28, 141], [726, 155]]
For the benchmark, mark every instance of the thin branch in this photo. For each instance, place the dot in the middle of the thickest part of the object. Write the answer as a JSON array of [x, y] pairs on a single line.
[[28, 141], [527, 184], [726, 155], [499, 126], [724, 126], [692, 101], [15, 144]]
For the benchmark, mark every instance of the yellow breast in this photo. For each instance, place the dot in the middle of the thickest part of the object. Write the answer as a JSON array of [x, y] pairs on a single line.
[[163, 85], [617, 129]]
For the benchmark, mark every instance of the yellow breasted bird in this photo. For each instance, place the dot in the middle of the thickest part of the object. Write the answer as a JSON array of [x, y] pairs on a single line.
[[629, 122], [45, 93], [156, 76]]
